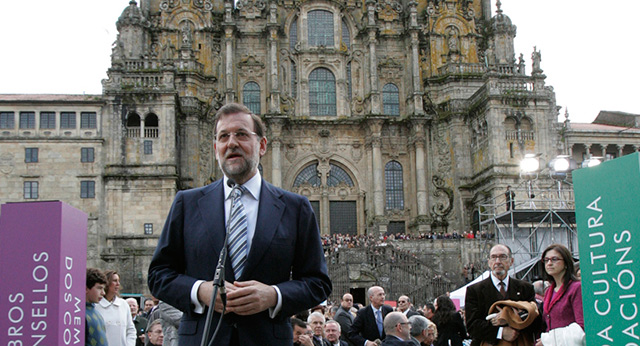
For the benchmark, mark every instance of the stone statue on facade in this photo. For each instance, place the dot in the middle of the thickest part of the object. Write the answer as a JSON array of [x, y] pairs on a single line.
[[536, 57]]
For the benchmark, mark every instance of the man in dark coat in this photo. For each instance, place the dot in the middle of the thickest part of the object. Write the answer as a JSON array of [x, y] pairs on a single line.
[[498, 286], [368, 324]]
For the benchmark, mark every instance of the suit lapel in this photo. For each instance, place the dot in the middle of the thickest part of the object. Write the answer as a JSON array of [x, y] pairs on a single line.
[[211, 207], [270, 211]]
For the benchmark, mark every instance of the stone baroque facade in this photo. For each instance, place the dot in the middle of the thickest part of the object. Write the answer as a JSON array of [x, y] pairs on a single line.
[[390, 116]]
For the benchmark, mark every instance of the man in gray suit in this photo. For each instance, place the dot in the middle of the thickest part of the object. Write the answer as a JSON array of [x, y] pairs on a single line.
[[344, 317]]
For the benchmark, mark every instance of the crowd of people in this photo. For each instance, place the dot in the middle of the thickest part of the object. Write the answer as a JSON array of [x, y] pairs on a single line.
[[338, 240], [112, 320], [542, 310], [525, 314]]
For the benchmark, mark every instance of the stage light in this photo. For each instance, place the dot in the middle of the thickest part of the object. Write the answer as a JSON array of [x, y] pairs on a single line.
[[561, 166], [530, 163], [591, 162]]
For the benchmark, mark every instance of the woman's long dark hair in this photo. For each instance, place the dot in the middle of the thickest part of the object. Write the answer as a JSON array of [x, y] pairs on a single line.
[[444, 310], [570, 272]]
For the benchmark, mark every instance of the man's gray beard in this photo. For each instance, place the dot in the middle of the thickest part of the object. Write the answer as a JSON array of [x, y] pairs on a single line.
[[243, 171]]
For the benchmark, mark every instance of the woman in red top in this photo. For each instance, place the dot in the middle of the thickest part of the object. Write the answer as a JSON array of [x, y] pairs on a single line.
[[563, 299]]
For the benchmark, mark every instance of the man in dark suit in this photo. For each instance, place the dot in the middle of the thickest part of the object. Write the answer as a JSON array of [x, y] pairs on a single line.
[[397, 329], [332, 332], [275, 265], [316, 322], [405, 306], [344, 317], [498, 286], [368, 324]]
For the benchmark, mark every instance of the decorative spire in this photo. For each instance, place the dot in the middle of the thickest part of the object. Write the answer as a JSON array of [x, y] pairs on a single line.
[[498, 5]]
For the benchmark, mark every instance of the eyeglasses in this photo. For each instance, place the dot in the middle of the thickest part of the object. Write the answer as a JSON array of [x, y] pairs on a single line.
[[402, 301], [501, 257], [553, 260], [241, 136], [404, 323]]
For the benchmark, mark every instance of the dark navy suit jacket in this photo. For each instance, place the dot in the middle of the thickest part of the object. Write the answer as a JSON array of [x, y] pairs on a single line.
[[286, 251], [364, 326]]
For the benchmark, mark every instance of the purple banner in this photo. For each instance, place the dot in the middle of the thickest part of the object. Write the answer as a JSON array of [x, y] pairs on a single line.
[[43, 246]]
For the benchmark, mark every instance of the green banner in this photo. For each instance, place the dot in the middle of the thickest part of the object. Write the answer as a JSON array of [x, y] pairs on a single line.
[[608, 221]]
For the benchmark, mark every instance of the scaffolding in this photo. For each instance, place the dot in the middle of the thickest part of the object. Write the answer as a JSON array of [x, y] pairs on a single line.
[[541, 216]]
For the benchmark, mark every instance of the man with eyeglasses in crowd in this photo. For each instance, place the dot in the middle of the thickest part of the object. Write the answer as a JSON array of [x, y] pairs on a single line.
[[398, 330], [404, 306], [275, 265], [344, 317], [498, 286]]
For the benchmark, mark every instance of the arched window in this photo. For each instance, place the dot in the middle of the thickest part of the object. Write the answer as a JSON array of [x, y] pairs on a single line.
[[322, 92], [251, 97], [346, 37], [133, 125], [293, 34], [308, 175], [151, 126], [391, 99], [320, 28], [394, 185], [338, 175], [525, 124]]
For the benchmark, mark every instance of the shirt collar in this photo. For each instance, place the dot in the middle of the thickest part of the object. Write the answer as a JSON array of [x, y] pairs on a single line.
[[496, 282], [105, 303], [253, 186]]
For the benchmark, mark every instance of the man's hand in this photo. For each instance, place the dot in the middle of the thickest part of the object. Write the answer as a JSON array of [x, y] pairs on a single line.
[[370, 343], [509, 334], [206, 290], [497, 320], [250, 297], [305, 340]]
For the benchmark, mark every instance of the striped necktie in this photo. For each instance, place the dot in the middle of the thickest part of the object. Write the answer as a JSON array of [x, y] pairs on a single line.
[[503, 292], [237, 243]]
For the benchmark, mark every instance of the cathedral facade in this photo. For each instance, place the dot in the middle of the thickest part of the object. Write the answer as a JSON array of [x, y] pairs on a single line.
[[391, 116]]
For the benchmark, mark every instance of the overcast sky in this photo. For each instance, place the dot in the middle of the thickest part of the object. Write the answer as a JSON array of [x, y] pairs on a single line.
[[589, 48]]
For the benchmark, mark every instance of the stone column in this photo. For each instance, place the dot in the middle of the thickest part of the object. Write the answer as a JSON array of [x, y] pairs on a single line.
[[587, 147], [274, 98], [276, 162], [276, 152], [421, 175], [228, 40], [375, 129], [373, 60], [620, 147], [415, 59], [229, 28], [323, 168]]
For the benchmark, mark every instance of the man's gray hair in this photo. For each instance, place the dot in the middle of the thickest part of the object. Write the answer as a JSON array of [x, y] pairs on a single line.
[[418, 324], [334, 322], [315, 314]]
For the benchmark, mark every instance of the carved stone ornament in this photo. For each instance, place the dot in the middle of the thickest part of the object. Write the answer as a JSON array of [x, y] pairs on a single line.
[[388, 10], [6, 163], [443, 202], [356, 152], [291, 152], [170, 5], [250, 9]]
